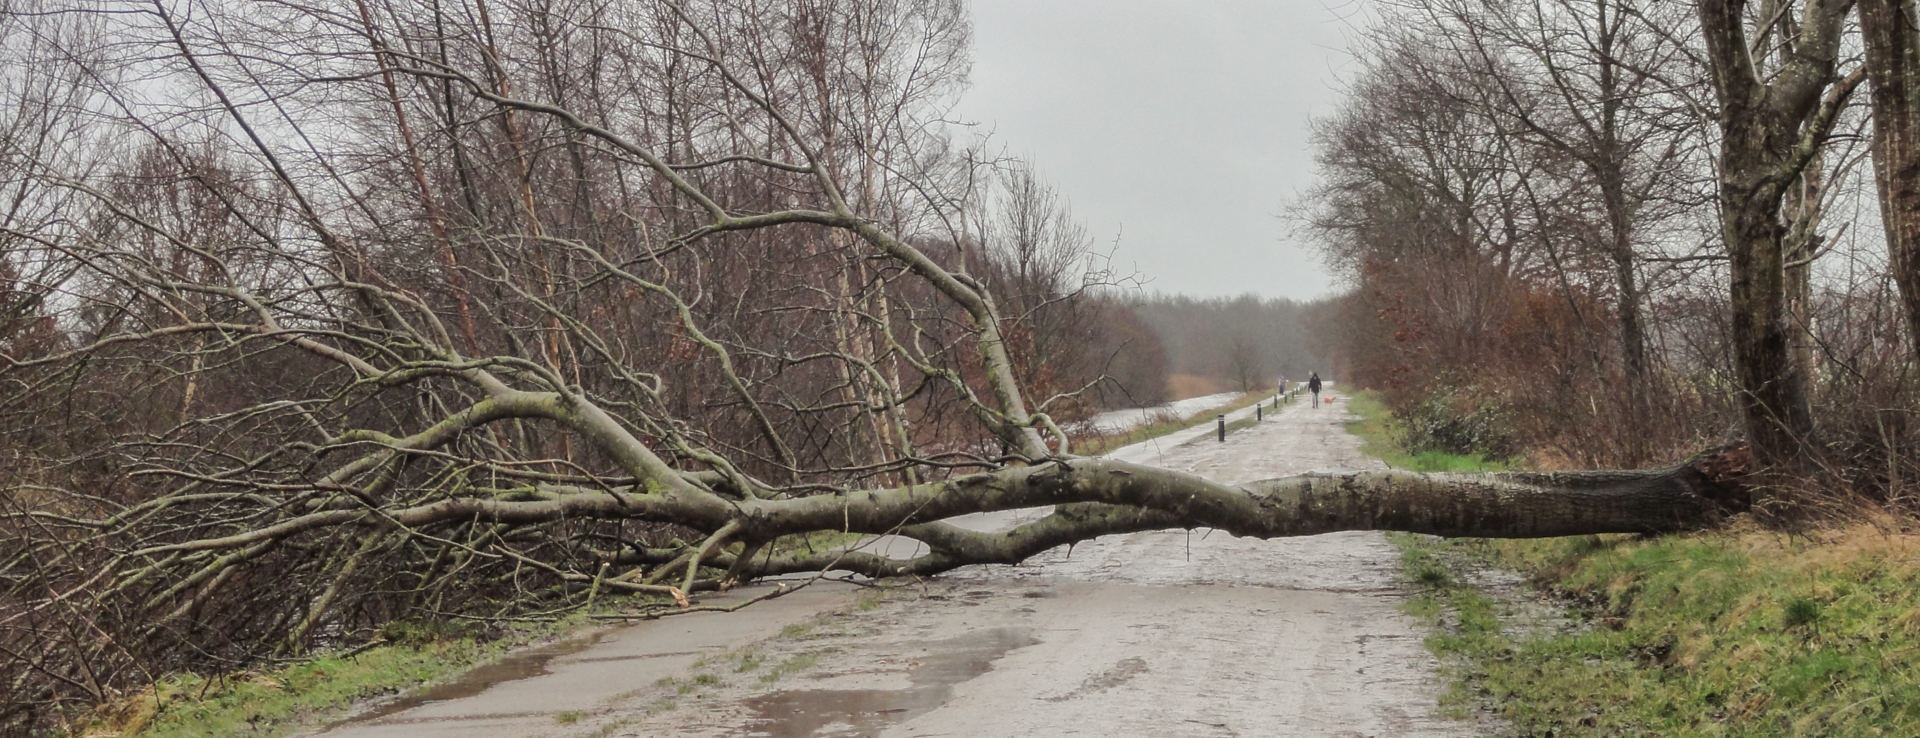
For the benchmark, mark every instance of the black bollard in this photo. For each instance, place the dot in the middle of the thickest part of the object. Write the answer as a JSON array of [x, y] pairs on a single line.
[[1259, 413], [1223, 428]]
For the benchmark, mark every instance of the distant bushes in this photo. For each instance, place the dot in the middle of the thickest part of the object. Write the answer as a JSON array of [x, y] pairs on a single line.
[[1453, 422]]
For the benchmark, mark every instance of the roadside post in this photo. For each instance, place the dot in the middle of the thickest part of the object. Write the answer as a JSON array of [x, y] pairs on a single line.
[[1222, 420], [1259, 413]]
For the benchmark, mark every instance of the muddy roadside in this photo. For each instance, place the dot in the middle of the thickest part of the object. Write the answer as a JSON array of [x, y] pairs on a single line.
[[1149, 634]]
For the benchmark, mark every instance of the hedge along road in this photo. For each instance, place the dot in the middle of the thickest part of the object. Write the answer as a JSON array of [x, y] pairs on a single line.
[[1150, 634]]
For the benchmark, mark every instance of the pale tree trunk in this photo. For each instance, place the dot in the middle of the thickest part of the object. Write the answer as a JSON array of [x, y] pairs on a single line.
[[1091, 498], [1803, 208], [1892, 36]]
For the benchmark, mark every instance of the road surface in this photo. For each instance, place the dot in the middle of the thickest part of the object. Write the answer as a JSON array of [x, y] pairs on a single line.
[[1153, 634], [1121, 421]]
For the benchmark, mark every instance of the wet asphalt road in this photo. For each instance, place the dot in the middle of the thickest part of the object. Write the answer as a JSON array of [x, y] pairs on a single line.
[[1152, 634]]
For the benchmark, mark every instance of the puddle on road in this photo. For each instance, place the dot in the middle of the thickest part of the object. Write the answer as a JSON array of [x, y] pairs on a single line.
[[529, 663], [850, 712]]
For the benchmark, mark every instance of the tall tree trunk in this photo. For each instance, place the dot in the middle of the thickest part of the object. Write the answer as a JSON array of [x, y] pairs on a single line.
[[1802, 209], [1772, 122], [1773, 392], [1610, 168], [1892, 36]]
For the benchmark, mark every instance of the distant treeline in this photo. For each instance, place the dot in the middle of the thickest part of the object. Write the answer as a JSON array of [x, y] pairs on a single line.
[[1219, 344]]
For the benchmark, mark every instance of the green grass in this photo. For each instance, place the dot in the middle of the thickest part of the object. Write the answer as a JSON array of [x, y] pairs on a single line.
[[1739, 632], [789, 667], [1378, 432], [819, 540], [299, 696], [746, 660], [1749, 633], [281, 701]]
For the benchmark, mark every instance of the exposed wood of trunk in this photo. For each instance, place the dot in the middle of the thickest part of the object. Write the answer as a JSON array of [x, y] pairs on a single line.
[[1892, 37]]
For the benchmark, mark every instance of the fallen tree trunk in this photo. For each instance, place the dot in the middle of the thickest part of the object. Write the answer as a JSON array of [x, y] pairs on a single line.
[[1094, 497], [1100, 497], [254, 439]]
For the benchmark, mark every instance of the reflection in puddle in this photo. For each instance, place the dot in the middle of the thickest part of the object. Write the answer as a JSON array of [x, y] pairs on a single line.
[[849, 712], [529, 663]]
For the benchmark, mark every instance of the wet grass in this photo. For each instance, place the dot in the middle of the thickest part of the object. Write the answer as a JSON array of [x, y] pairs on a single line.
[[1737, 632], [279, 701], [745, 660], [789, 667], [695, 683], [299, 696], [1378, 432], [1748, 633]]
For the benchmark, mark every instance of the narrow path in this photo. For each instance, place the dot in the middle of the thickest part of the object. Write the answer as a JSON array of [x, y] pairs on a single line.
[[1121, 421], [1153, 634]]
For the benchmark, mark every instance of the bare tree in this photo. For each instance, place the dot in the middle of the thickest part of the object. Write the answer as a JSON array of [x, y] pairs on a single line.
[[1243, 359], [425, 307], [1606, 85], [1776, 111]]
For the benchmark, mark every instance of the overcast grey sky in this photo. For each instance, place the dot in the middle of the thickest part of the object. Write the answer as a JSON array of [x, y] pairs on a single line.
[[1179, 125]]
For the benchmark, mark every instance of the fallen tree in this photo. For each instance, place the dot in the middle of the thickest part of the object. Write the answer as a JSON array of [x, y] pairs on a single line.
[[347, 329]]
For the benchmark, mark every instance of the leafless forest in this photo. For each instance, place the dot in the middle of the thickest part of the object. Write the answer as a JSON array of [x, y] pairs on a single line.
[[318, 316], [1606, 233], [1231, 344]]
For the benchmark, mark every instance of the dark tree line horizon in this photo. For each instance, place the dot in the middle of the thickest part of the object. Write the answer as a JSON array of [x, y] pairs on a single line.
[[1242, 343]]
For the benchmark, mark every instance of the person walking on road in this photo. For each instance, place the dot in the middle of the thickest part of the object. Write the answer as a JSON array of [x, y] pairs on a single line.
[[1313, 386]]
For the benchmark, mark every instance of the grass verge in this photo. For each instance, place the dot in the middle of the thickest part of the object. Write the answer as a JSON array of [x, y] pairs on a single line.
[[1736, 632], [299, 696], [1730, 633], [1379, 432]]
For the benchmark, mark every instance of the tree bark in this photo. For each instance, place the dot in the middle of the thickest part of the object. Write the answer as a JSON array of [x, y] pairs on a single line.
[[1772, 122], [1892, 38], [1094, 497]]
